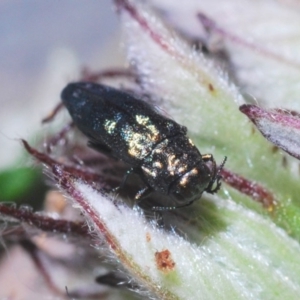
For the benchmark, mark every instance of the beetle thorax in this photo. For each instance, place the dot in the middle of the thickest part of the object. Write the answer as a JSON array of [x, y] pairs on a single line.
[[169, 161]]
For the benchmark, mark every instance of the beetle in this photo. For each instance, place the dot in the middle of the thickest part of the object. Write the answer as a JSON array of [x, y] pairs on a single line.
[[156, 147]]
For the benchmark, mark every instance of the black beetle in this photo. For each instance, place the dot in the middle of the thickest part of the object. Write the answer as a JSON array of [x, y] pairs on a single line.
[[133, 131]]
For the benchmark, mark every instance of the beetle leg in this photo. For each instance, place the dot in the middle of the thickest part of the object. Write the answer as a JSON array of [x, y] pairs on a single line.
[[125, 177], [143, 193], [115, 279], [59, 137], [217, 179], [166, 208], [53, 113]]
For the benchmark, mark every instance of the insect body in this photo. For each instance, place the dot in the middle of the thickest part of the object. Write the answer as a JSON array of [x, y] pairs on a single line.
[[157, 148]]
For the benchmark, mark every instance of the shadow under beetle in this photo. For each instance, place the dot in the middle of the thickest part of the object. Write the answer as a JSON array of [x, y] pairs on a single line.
[[157, 148]]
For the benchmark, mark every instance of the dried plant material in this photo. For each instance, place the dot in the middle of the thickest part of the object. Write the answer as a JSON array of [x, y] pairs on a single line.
[[281, 127], [164, 261]]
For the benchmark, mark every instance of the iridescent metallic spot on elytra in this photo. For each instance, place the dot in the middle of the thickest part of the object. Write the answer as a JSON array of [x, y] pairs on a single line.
[[110, 126]]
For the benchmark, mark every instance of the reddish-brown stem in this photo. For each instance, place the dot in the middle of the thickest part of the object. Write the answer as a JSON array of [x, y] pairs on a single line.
[[250, 188], [80, 173], [43, 222], [209, 24], [33, 251], [35, 254], [108, 73], [54, 112], [64, 176], [66, 182], [126, 5], [59, 136]]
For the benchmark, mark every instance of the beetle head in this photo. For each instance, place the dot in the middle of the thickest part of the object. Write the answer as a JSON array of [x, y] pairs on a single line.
[[192, 184]]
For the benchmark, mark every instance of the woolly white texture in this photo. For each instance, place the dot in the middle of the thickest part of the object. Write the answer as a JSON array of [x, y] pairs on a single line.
[[184, 78], [252, 259], [270, 70]]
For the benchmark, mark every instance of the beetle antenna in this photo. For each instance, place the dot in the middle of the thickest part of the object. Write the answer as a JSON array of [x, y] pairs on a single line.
[[216, 177]]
